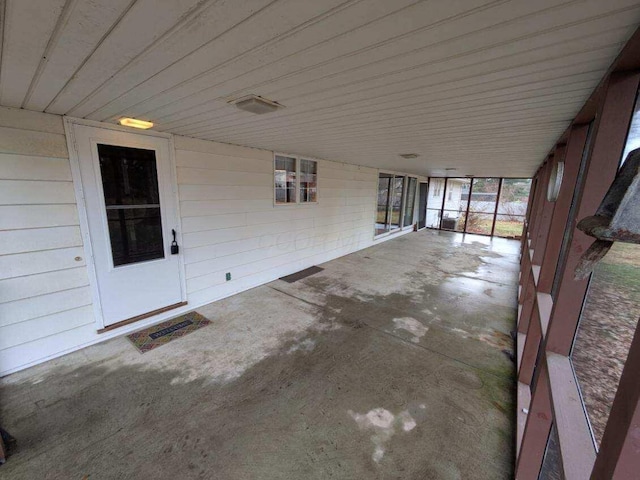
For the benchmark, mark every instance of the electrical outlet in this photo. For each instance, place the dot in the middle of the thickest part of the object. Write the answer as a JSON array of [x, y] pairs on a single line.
[[228, 276]]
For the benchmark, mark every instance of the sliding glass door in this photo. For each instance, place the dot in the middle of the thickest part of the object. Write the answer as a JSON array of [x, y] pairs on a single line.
[[382, 214], [397, 190], [396, 202]]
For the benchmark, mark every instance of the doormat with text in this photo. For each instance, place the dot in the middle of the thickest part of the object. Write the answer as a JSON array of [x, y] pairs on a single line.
[[157, 335]]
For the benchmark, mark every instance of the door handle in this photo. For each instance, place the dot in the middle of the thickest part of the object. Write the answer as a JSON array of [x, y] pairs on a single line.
[[175, 249]]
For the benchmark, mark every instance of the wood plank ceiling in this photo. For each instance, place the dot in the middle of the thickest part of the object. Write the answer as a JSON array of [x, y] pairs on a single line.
[[484, 86]]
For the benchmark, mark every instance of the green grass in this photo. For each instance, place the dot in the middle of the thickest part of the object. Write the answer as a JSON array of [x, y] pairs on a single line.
[[503, 228], [508, 229], [621, 268]]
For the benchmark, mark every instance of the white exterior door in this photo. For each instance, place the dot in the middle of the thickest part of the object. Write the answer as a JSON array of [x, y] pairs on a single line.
[[131, 214]]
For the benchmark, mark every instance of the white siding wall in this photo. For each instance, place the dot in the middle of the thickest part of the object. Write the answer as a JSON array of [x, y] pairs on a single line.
[[229, 224], [45, 302]]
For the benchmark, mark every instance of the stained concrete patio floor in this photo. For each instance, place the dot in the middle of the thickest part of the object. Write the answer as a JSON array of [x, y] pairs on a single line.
[[388, 364]]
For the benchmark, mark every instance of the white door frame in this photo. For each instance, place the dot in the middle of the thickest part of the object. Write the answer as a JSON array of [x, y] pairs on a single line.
[[74, 161]]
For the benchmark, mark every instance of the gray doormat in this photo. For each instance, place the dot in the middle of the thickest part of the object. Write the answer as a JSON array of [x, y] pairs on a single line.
[[307, 272]]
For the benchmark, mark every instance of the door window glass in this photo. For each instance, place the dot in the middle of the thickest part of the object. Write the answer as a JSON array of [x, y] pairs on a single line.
[[132, 201], [397, 188], [382, 218], [389, 211], [411, 200]]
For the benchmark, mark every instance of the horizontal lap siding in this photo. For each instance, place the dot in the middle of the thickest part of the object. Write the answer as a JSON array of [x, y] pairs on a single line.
[[45, 302], [230, 223]]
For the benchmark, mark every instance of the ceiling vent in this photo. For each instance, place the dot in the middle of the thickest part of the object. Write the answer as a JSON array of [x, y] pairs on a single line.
[[256, 104], [409, 155]]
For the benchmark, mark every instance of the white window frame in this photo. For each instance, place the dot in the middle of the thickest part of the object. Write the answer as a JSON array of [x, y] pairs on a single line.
[[297, 159], [405, 201], [405, 191]]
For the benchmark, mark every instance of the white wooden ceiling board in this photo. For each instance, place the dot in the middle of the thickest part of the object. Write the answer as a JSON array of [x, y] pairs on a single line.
[[498, 42], [467, 67], [382, 141], [408, 103], [476, 163], [385, 124], [412, 87], [28, 26], [407, 135], [383, 155], [450, 103], [562, 66], [525, 143], [355, 39], [383, 152], [483, 85], [87, 22], [383, 133], [194, 33], [425, 135], [586, 81], [445, 108], [343, 17], [144, 23], [485, 111], [389, 36], [450, 135], [426, 142], [262, 27], [442, 41]]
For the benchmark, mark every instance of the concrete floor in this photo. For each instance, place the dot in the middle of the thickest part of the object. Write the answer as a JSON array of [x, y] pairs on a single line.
[[389, 364]]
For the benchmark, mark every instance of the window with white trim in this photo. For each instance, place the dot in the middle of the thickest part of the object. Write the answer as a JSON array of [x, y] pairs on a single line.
[[308, 181], [295, 180]]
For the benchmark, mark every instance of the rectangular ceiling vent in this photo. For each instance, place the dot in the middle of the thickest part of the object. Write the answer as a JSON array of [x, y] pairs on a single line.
[[256, 104]]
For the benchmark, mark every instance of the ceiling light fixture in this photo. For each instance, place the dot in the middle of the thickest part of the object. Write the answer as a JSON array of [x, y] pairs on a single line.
[[256, 104], [409, 155], [135, 123]]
